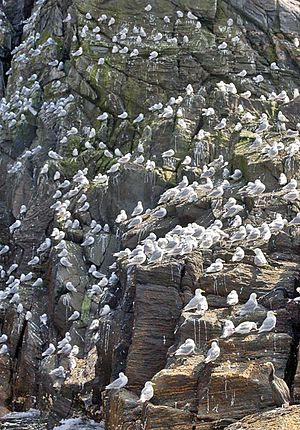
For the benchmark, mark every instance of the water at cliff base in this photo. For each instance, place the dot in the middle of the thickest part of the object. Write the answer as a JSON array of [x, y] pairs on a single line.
[[32, 420]]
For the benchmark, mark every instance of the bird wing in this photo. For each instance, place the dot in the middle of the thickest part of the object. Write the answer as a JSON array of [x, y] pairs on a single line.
[[147, 393], [184, 349], [280, 385], [267, 325], [202, 305], [192, 304], [212, 355], [115, 384], [248, 307], [155, 255]]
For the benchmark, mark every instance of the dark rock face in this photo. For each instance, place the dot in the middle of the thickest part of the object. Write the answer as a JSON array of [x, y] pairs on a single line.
[[63, 64]]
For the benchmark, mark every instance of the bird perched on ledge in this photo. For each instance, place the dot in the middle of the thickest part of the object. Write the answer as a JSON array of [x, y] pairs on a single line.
[[280, 390]]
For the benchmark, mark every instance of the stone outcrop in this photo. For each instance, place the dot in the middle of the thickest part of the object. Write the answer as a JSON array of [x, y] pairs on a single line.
[[276, 419]]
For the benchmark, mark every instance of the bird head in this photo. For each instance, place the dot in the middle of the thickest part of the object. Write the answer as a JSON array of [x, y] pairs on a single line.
[[199, 291], [269, 365], [227, 322]]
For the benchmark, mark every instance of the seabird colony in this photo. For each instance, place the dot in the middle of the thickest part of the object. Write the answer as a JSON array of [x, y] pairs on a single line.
[[215, 182]]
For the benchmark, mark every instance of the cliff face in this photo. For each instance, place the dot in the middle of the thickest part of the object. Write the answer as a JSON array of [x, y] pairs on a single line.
[[68, 70]]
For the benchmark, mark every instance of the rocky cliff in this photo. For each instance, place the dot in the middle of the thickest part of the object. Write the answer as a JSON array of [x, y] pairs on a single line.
[[190, 108]]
